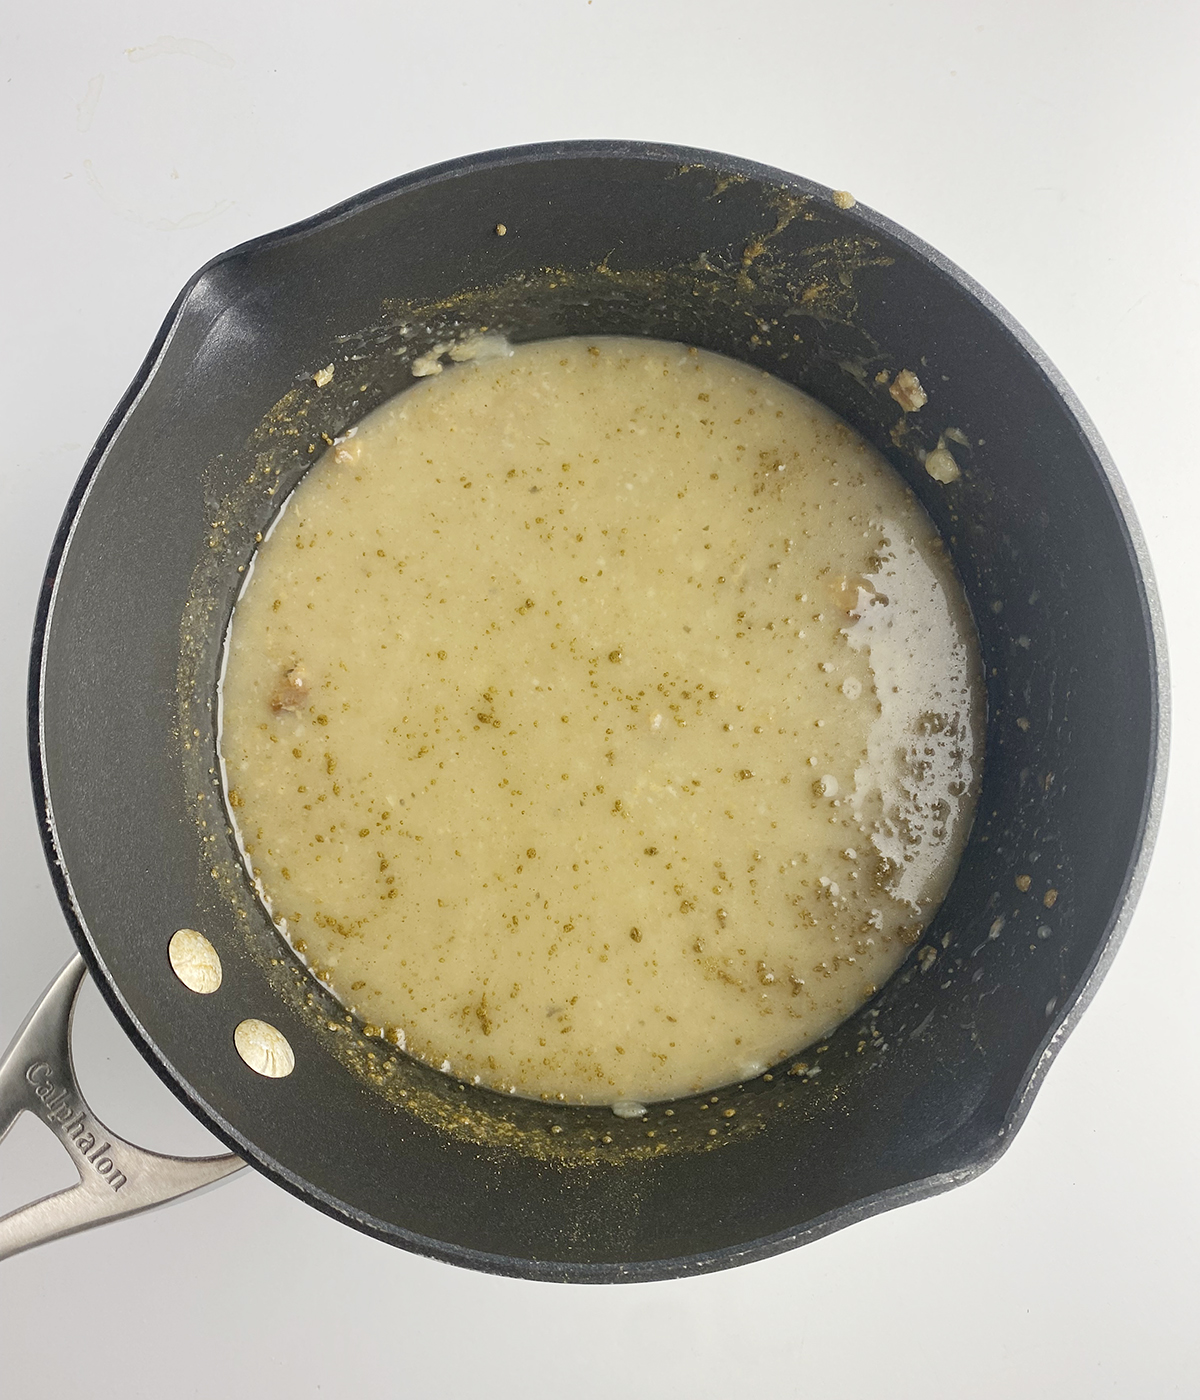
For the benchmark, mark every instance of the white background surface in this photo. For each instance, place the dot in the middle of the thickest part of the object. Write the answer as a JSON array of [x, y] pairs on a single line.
[[1048, 147]]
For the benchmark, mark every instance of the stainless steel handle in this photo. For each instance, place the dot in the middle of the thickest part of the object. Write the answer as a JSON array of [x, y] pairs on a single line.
[[116, 1178]]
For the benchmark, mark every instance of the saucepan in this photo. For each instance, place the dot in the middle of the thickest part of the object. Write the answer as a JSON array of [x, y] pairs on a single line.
[[920, 1090]]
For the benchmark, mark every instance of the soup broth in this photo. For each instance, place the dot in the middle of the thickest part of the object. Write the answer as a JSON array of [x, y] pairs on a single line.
[[601, 720]]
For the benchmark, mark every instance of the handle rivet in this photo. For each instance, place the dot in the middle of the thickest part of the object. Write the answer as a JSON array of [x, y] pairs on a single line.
[[264, 1049], [195, 961]]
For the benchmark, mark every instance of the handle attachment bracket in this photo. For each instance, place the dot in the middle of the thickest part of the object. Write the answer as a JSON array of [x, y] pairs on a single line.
[[116, 1177]]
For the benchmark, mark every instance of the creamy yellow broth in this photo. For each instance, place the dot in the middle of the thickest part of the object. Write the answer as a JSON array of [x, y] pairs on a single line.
[[601, 720]]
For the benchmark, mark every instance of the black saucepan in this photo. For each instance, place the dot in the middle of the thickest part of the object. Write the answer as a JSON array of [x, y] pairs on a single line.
[[920, 1090]]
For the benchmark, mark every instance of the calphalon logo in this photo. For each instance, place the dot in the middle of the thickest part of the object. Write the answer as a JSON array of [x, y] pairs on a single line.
[[57, 1108]]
